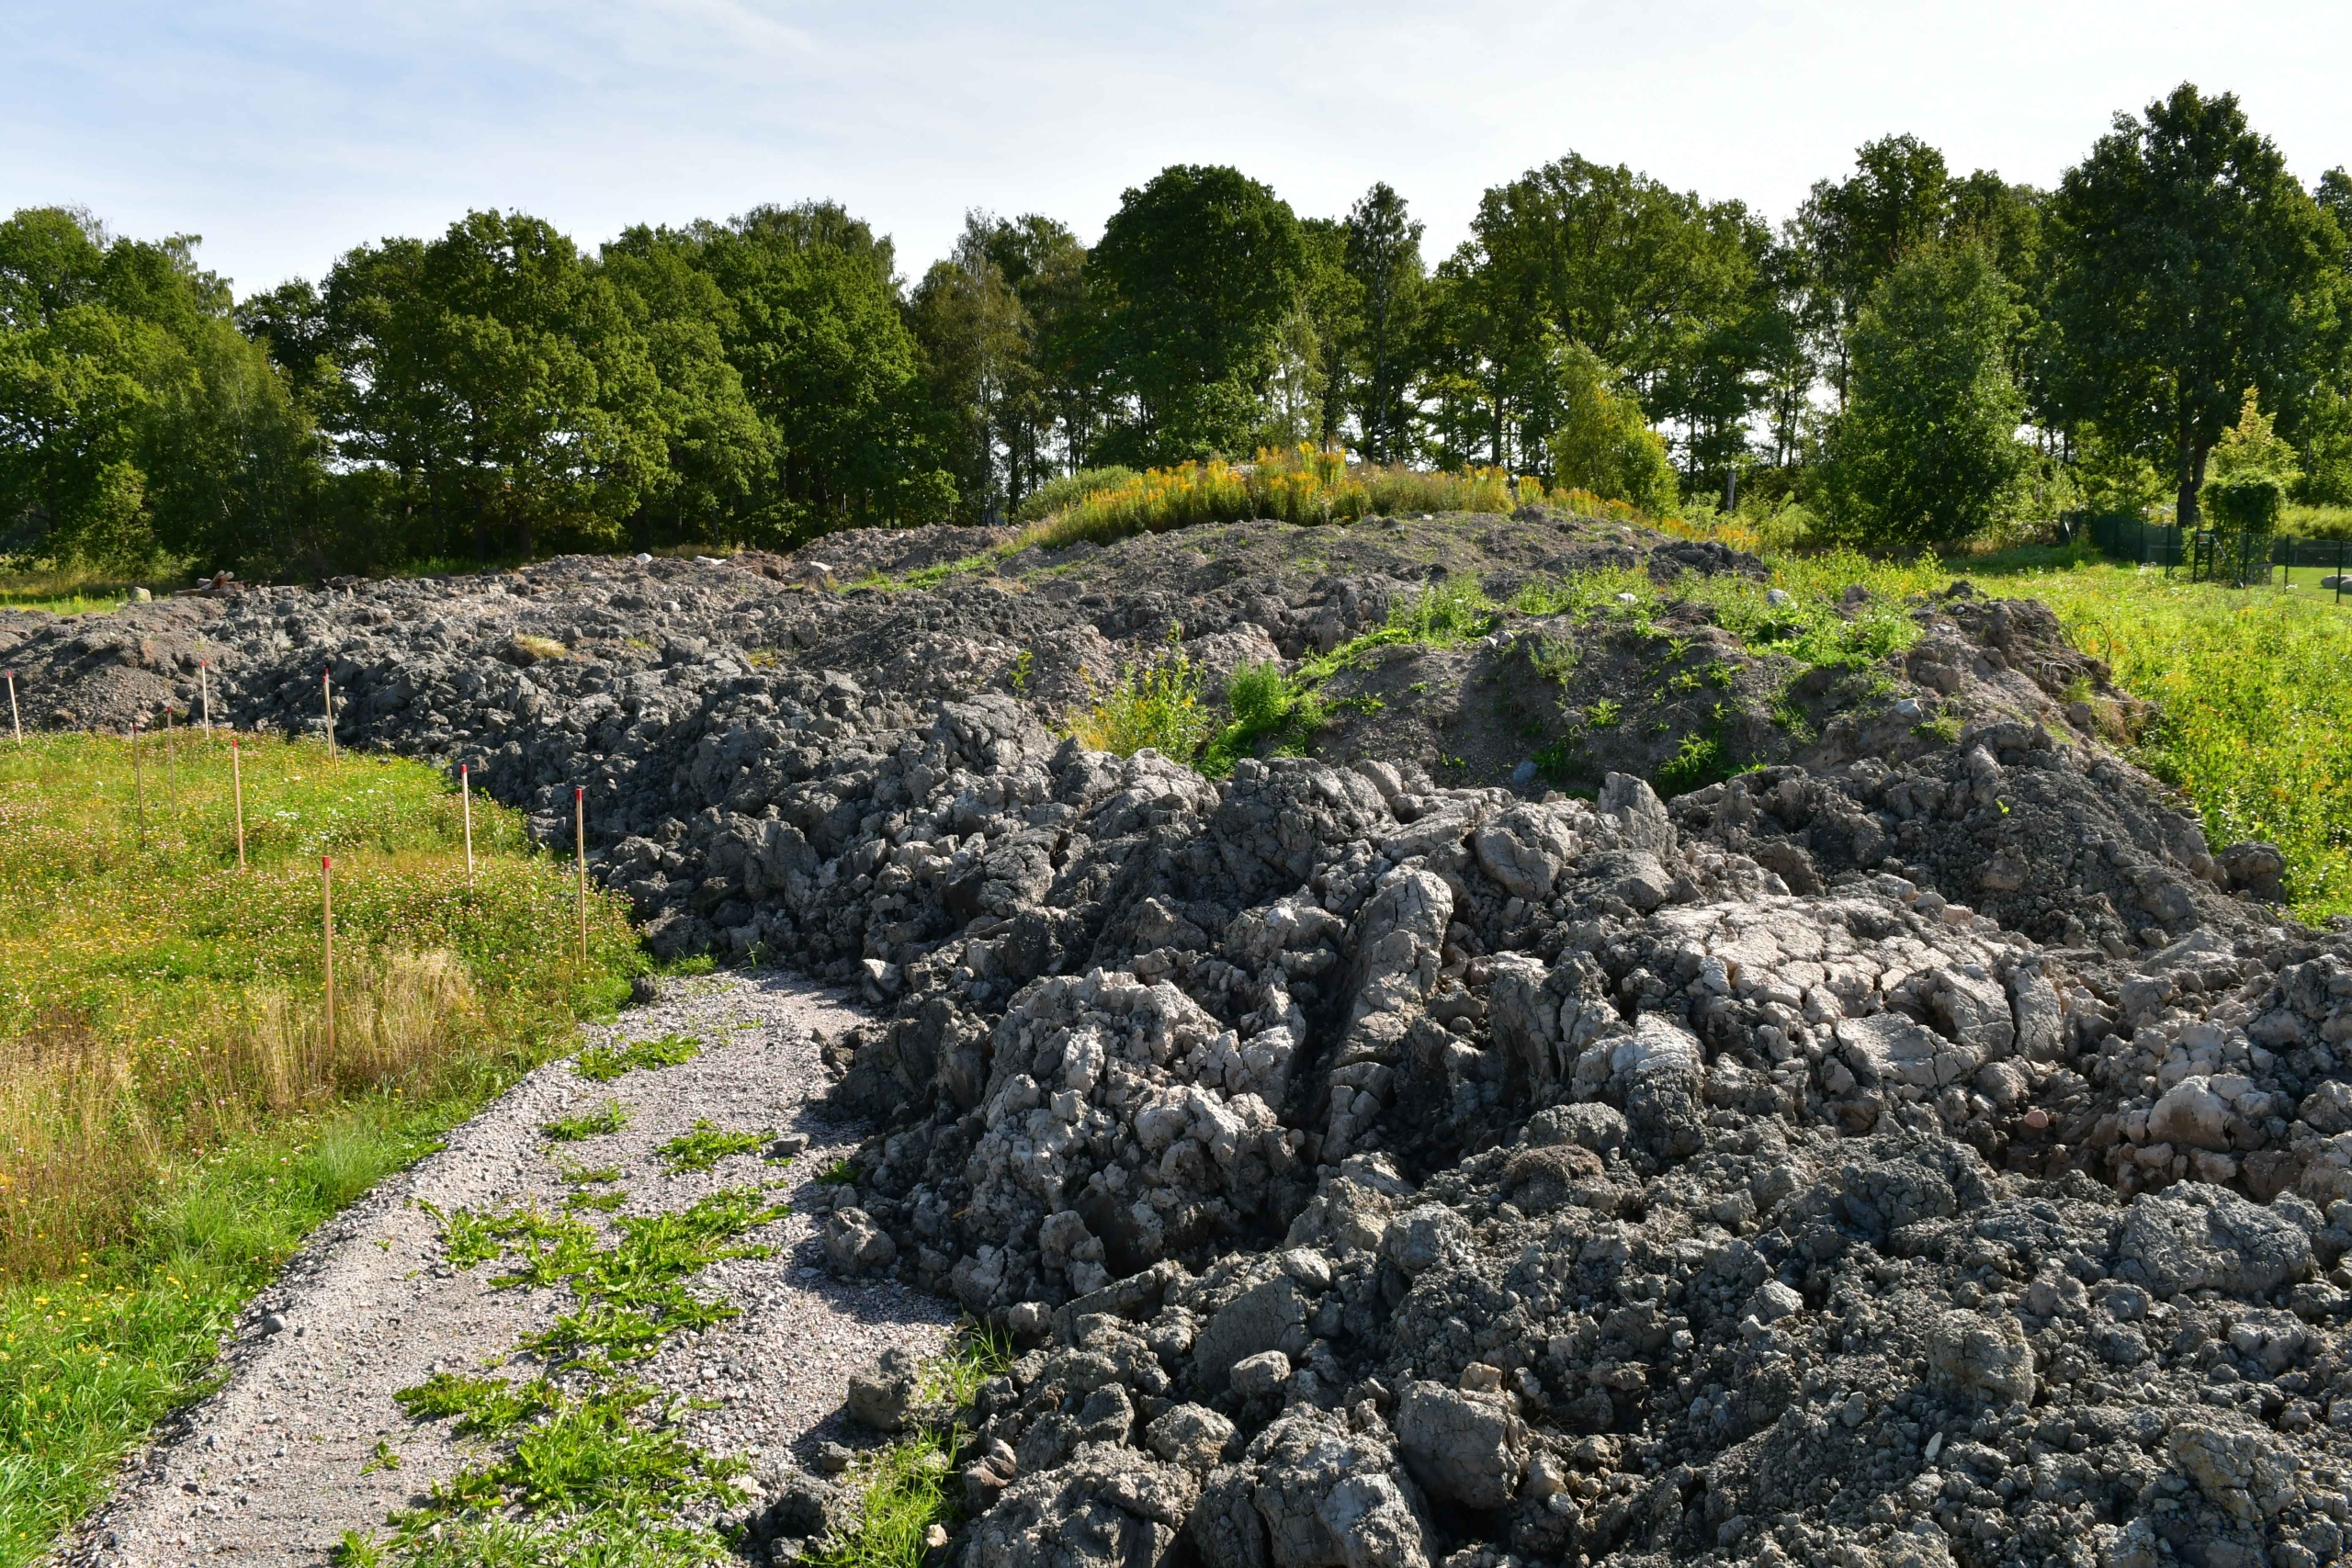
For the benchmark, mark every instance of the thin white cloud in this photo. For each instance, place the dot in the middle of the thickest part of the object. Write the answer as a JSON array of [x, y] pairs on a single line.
[[285, 133]]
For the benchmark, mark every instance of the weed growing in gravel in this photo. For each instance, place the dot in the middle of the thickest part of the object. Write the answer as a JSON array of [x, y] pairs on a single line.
[[600, 1475], [631, 1294], [540, 647], [602, 1064], [593, 1469], [1156, 705], [902, 1491], [1265, 702], [905, 1489], [977, 1353], [932, 576], [840, 1173], [609, 1117], [706, 1145]]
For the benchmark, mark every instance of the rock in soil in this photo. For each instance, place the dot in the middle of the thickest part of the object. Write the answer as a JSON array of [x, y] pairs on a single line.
[[1920, 1147]]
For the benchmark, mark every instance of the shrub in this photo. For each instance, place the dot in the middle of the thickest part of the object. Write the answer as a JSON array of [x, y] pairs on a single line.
[[1604, 444], [1156, 705], [2246, 502], [1265, 702]]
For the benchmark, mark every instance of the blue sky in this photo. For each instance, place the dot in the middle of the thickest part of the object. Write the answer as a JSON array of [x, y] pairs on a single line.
[[284, 134]]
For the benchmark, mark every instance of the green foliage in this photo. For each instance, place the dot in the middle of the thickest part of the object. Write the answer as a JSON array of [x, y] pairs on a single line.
[[1266, 702], [609, 1117], [1298, 486], [1697, 762], [1065, 490], [840, 1173], [2254, 448], [1197, 267], [706, 1145], [1448, 613], [137, 426], [2251, 503], [602, 1064], [1926, 451], [1672, 290], [902, 1492], [1944, 729], [498, 374], [2189, 264], [1156, 705], [1602, 444], [1382, 255], [2253, 693]]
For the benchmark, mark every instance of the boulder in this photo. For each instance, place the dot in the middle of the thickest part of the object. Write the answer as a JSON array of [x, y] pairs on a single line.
[[1467, 1448], [2195, 1236]]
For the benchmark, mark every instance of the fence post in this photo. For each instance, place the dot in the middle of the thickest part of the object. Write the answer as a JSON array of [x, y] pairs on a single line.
[[14, 722], [326, 686], [204, 684], [466, 798]]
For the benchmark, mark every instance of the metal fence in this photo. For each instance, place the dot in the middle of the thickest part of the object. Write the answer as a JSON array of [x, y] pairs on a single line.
[[2211, 555]]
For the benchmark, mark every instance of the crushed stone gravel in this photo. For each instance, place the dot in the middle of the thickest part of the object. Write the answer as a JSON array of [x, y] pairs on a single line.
[[277, 1464]]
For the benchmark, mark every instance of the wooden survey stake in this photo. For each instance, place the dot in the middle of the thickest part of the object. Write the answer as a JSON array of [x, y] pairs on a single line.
[[326, 933], [465, 800], [580, 860], [237, 787]]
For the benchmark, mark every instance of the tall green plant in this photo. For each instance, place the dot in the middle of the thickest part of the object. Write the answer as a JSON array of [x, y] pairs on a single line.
[[1925, 450]]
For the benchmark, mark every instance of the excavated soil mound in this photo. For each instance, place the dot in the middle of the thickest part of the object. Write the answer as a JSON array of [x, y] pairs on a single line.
[[1916, 1147]]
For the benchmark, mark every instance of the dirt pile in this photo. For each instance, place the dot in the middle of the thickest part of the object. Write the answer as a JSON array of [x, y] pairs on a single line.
[[1919, 1147]]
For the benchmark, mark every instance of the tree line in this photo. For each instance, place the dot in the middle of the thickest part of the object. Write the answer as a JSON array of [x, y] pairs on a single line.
[[1913, 356]]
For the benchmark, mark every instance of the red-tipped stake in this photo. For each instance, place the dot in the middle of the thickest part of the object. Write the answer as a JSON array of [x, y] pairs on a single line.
[[237, 784], [580, 860], [14, 722], [466, 798], [326, 930]]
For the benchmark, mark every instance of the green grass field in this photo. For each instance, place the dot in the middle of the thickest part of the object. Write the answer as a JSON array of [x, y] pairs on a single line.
[[172, 1120], [2254, 687]]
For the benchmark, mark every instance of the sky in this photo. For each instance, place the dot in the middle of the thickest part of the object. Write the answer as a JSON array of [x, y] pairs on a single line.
[[284, 134]]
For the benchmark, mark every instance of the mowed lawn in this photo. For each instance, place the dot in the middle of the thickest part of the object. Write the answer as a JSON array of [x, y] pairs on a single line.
[[172, 1117]]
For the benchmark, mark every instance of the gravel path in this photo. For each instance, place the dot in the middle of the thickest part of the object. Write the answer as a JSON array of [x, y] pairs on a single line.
[[280, 1461]]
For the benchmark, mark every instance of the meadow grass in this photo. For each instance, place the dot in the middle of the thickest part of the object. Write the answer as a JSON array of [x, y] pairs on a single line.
[[2254, 692], [172, 1120]]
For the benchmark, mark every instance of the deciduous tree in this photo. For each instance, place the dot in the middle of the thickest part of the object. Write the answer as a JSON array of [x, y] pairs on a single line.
[[2188, 265]]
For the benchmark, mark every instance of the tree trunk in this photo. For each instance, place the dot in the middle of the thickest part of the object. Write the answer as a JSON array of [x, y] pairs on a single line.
[[2186, 511]]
